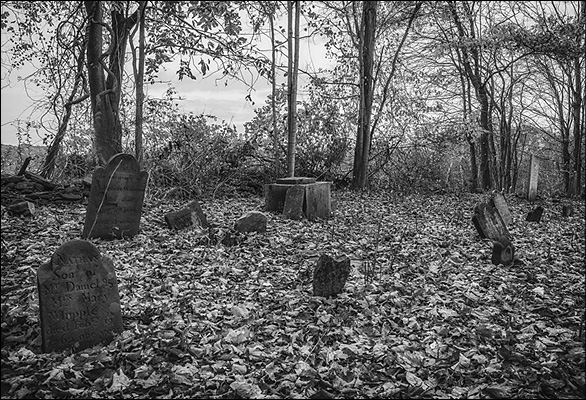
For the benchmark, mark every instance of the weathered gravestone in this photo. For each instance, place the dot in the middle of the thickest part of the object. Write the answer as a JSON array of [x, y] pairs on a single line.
[[488, 222], [329, 276], [79, 302], [294, 202], [533, 178], [191, 215], [535, 215], [115, 201], [499, 202]]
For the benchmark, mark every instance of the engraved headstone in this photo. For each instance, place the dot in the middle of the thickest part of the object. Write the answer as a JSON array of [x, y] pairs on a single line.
[[533, 178], [115, 201], [79, 302], [191, 215], [330, 275], [294, 200], [499, 202], [488, 222]]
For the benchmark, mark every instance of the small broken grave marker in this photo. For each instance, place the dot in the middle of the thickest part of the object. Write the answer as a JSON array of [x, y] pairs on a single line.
[[503, 251], [535, 215], [330, 275], [79, 303], [191, 215], [567, 210]]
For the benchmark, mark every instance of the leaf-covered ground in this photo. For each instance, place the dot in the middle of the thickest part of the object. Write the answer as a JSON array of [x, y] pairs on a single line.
[[424, 314]]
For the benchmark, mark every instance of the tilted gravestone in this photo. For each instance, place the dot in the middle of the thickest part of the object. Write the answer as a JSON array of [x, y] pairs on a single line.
[[499, 202], [488, 222], [330, 275], [535, 215], [115, 201], [191, 215], [79, 302]]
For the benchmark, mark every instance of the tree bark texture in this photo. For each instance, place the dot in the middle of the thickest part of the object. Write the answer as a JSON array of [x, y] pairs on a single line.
[[105, 91], [293, 66], [366, 84]]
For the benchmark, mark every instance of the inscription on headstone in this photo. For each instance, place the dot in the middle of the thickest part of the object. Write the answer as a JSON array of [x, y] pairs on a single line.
[[533, 177], [488, 222], [499, 202], [189, 216], [79, 302], [115, 201]]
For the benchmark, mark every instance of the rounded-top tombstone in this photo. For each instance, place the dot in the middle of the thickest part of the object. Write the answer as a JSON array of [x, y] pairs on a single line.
[[79, 302], [115, 201]]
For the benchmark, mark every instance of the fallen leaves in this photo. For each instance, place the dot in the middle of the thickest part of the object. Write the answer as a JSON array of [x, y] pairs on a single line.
[[434, 318]]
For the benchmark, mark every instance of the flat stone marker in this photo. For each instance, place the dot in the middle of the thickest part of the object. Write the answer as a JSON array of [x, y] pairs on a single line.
[[499, 202], [533, 178], [488, 222], [115, 201], [79, 302], [189, 216], [294, 202], [329, 276]]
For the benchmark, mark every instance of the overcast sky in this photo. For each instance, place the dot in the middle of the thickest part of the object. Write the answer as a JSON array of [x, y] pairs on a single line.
[[206, 95]]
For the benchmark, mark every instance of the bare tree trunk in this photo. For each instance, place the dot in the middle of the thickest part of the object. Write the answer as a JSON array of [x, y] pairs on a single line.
[[293, 66], [274, 95], [363, 136], [139, 78], [105, 92], [576, 184], [482, 96]]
